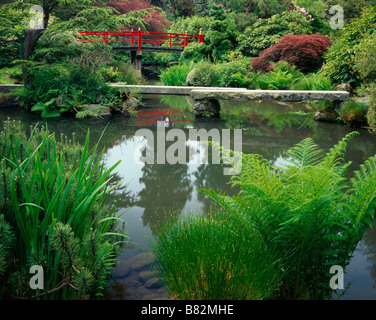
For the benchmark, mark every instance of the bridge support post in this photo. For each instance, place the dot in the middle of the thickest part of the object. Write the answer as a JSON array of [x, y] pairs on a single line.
[[136, 59]]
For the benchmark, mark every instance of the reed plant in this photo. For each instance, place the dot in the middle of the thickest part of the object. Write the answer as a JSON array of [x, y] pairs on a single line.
[[310, 207], [53, 199], [214, 258]]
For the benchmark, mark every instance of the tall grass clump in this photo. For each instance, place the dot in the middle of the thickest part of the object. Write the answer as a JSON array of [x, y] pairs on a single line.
[[215, 258], [309, 208], [176, 75], [354, 113], [54, 214]]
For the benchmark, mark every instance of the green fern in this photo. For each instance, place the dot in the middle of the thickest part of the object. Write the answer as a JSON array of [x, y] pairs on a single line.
[[308, 208]]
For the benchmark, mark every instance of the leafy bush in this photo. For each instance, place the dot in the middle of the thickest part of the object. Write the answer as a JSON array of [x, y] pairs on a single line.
[[313, 81], [195, 52], [371, 114], [120, 71], [215, 258], [306, 52], [54, 215], [58, 47], [235, 71], [58, 89], [176, 75], [11, 75], [340, 60], [365, 60], [205, 74], [307, 207], [265, 33], [283, 77]]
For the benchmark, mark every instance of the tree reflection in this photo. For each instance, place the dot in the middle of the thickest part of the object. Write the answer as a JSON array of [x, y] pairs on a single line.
[[167, 188]]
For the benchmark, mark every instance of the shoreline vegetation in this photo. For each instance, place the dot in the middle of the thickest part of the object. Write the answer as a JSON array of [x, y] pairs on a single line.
[[276, 239]]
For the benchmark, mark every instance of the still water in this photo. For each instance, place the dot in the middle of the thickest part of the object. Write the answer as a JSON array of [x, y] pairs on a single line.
[[155, 192]]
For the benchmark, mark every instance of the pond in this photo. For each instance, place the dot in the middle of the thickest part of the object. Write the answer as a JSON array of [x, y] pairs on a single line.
[[155, 192]]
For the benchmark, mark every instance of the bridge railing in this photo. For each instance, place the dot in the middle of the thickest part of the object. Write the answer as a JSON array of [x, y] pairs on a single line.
[[140, 37]]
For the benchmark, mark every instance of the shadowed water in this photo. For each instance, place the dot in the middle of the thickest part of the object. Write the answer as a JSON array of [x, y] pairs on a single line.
[[156, 192]]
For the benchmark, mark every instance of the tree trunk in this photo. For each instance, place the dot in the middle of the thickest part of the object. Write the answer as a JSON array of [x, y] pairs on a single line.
[[31, 38]]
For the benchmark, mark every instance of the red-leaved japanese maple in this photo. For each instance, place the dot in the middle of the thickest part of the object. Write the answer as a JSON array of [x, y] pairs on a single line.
[[306, 52]]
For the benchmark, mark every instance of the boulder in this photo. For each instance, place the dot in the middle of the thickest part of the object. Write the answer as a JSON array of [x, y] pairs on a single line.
[[344, 87], [191, 79], [326, 116]]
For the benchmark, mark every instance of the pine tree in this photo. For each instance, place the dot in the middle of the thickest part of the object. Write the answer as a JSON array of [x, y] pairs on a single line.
[[202, 7]]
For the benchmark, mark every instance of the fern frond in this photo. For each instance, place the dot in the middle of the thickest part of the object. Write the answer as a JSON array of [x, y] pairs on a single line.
[[305, 153], [363, 192], [334, 158]]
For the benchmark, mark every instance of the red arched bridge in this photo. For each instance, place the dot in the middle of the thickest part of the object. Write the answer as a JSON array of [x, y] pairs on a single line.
[[136, 41]]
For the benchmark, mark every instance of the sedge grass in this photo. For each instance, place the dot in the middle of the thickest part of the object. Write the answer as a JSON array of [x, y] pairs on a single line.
[[214, 258]]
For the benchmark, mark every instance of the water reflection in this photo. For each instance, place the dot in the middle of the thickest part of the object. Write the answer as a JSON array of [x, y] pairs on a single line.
[[153, 192]]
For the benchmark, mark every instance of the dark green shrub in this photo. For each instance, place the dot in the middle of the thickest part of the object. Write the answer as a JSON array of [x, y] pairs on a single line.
[[195, 52], [265, 33], [59, 89], [205, 74]]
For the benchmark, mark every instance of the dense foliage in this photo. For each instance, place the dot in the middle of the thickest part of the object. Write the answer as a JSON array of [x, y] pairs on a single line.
[[66, 78], [340, 61], [264, 33], [306, 207], [53, 214]]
